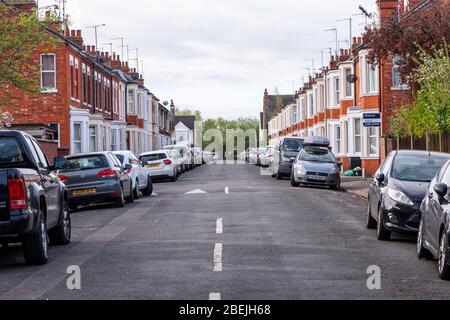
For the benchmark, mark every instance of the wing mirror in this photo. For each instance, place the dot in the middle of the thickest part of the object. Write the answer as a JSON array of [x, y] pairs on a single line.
[[441, 190], [380, 177]]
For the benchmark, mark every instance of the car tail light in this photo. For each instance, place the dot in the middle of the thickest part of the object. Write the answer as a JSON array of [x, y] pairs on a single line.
[[64, 179], [167, 162], [107, 173], [17, 194]]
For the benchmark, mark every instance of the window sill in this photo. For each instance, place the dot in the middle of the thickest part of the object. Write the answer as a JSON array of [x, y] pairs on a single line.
[[401, 88], [371, 94], [49, 91]]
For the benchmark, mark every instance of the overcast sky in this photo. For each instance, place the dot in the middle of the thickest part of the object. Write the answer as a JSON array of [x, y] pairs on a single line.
[[218, 56]]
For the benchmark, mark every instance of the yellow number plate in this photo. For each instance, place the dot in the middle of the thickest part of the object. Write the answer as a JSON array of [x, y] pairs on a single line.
[[84, 192], [154, 165]]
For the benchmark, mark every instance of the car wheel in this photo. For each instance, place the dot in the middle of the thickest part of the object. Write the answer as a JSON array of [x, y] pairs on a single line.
[[444, 268], [371, 222], [279, 176], [149, 189], [382, 233], [294, 183], [136, 191], [120, 201], [35, 245], [61, 234], [130, 199], [422, 252]]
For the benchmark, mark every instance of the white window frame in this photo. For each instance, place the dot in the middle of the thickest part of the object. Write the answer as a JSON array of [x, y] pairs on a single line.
[[48, 89], [355, 136], [348, 85], [80, 142], [369, 139]]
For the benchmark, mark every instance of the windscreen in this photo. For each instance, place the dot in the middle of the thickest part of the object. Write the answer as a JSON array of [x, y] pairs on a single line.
[[316, 155], [417, 167], [292, 145]]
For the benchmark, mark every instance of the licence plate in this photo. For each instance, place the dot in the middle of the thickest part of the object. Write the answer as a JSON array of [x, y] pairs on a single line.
[[318, 178], [154, 165], [84, 192]]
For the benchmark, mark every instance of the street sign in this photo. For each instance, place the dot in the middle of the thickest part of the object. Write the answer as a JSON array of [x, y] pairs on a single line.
[[372, 119]]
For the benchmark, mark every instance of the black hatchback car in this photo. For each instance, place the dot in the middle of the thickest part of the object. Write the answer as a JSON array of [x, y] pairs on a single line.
[[434, 230], [398, 189]]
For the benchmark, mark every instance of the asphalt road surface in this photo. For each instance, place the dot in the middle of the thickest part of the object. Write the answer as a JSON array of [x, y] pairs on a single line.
[[228, 232]]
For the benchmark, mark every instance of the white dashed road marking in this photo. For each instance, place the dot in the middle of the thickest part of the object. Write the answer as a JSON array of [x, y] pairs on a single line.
[[215, 297], [218, 257], [196, 191], [219, 226], [227, 190]]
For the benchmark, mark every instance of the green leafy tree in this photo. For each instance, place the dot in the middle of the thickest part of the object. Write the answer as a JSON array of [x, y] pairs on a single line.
[[20, 35]]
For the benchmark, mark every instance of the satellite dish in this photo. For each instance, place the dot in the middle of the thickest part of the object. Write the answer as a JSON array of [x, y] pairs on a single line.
[[165, 103], [352, 78]]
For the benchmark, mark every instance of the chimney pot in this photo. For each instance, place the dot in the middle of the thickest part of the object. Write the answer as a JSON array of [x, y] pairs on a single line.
[[78, 33]]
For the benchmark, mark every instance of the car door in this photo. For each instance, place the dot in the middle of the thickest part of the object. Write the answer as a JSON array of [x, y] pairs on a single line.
[[438, 208], [378, 187], [123, 176], [50, 183], [141, 171]]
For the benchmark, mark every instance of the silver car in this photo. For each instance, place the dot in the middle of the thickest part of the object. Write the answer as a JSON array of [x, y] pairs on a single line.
[[316, 165]]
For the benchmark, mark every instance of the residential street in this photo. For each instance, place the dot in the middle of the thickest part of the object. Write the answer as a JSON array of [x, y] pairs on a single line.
[[277, 243]]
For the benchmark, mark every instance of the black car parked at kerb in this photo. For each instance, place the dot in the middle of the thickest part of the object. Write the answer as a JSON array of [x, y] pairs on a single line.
[[33, 201], [398, 189], [434, 230]]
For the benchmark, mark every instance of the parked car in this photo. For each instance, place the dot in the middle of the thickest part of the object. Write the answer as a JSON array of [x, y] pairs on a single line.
[[178, 159], [397, 191], [185, 154], [252, 155], [161, 164], [260, 153], [96, 177], [316, 165], [33, 201], [286, 151], [434, 228], [139, 174], [198, 156], [266, 158]]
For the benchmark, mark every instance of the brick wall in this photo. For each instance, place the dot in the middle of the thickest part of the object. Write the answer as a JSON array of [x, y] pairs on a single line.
[[50, 149]]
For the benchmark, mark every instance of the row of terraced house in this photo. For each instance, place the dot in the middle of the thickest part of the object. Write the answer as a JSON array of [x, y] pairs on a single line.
[[89, 100], [345, 100]]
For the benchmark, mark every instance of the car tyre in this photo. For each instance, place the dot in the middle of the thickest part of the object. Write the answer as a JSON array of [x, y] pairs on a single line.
[[422, 252], [382, 233], [130, 199], [136, 191], [444, 267], [294, 183], [62, 233], [279, 176], [120, 201], [35, 245], [371, 222], [149, 189]]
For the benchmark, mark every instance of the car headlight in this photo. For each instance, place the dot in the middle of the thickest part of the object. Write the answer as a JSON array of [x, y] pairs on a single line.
[[301, 170], [400, 197], [335, 170], [284, 159]]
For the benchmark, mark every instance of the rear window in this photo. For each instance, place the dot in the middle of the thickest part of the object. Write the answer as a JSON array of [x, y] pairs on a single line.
[[154, 157], [417, 168], [316, 155], [87, 163], [292, 145], [10, 151], [121, 157]]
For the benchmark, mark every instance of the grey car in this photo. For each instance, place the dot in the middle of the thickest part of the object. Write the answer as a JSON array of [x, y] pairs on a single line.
[[96, 178], [316, 165]]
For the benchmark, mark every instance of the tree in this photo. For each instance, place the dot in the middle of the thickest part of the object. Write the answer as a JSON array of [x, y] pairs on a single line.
[[188, 112], [20, 35], [426, 29]]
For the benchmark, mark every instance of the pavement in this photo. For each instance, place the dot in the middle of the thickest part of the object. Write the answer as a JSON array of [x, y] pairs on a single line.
[[226, 232], [356, 185]]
